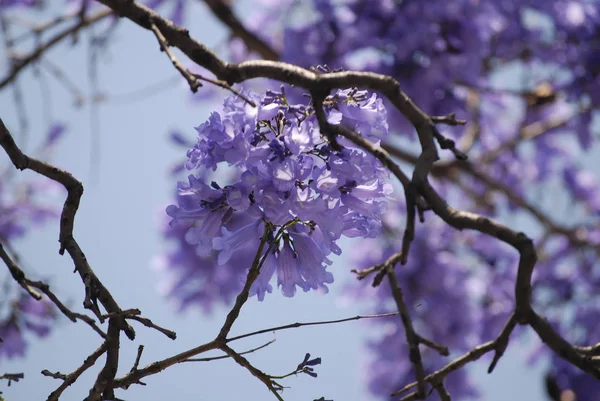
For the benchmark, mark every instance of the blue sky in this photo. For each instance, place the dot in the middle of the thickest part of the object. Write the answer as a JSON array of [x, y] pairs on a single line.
[[117, 228]]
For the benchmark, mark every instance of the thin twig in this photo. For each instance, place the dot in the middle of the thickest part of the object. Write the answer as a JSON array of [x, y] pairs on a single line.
[[159, 366], [164, 46], [148, 323], [273, 386], [24, 61], [319, 323], [412, 338], [72, 377], [225, 85], [12, 377], [29, 286], [54, 375], [136, 363], [214, 358]]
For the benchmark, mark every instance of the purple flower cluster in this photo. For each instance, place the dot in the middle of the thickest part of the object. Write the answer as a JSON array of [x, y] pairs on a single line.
[[23, 315], [281, 173], [435, 270], [445, 46], [514, 69]]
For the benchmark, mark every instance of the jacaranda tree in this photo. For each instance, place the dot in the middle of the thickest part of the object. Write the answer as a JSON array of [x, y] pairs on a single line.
[[413, 127]]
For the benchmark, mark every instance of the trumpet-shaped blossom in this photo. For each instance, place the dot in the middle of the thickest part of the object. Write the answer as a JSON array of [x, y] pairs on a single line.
[[283, 176]]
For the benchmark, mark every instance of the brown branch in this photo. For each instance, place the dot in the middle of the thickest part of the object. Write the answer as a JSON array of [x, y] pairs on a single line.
[[498, 345], [29, 285], [164, 46], [214, 358], [72, 377], [319, 323], [54, 375], [443, 393], [593, 350], [158, 366], [441, 349], [136, 363], [133, 314], [447, 170], [524, 313], [148, 323], [103, 388], [272, 385], [18, 274], [12, 377], [94, 289], [252, 275], [225, 85], [313, 81], [412, 339]]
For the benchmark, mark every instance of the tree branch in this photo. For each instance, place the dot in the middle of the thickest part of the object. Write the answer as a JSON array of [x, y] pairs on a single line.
[[94, 289], [24, 61]]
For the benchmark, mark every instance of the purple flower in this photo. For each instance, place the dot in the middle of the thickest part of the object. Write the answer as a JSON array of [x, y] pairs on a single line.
[[230, 242], [288, 271], [13, 344], [26, 315], [190, 279], [283, 173], [583, 186]]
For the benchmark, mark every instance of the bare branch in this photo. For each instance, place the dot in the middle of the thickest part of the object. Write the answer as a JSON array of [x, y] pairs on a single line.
[[29, 286], [412, 339], [498, 345], [103, 389], [94, 289], [214, 358], [24, 61], [71, 378], [156, 367], [148, 323], [273, 386], [164, 46], [54, 375], [319, 323], [225, 85], [137, 358], [12, 377]]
